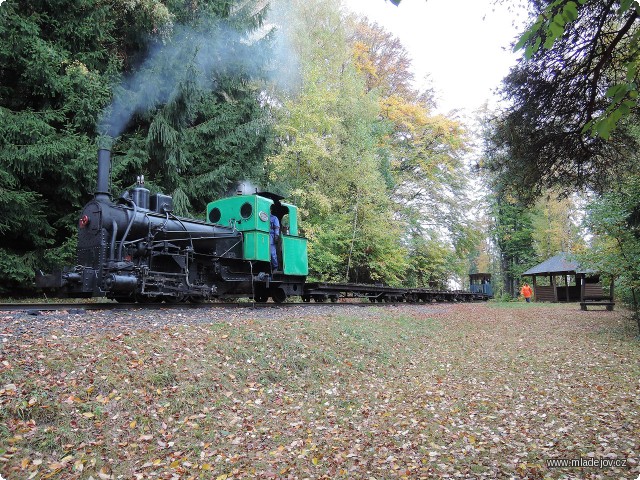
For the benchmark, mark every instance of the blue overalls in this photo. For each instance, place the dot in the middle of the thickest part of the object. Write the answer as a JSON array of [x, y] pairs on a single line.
[[274, 234]]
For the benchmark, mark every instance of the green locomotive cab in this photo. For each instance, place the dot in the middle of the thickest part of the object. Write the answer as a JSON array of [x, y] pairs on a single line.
[[250, 214]]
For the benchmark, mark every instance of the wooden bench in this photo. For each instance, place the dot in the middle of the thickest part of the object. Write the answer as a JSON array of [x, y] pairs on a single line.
[[604, 302], [595, 296]]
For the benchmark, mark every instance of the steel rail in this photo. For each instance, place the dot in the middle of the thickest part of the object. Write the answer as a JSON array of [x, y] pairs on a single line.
[[78, 307]]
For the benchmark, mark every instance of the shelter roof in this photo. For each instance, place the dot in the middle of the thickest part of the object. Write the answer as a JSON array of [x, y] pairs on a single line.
[[563, 263]]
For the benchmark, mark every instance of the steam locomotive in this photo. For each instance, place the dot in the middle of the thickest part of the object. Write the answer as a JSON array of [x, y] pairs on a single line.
[[134, 249]]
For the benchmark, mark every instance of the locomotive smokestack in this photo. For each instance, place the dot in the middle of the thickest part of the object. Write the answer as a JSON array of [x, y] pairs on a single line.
[[104, 170]]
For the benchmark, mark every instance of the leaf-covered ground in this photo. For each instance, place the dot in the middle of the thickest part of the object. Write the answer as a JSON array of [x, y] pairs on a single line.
[[450, 391]]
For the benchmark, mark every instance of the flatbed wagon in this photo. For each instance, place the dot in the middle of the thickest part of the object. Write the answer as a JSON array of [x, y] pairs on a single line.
[[321, 292]]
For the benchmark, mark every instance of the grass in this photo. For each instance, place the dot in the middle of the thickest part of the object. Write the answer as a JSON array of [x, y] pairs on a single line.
[[474, 390]]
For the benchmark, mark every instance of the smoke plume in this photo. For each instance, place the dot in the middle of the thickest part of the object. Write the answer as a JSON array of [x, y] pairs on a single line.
[[201, 56]]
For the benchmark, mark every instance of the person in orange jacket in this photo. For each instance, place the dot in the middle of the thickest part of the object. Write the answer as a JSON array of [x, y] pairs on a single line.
[[526, 292]]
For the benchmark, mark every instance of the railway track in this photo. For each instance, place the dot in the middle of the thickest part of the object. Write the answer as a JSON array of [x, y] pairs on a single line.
[[93, 306]]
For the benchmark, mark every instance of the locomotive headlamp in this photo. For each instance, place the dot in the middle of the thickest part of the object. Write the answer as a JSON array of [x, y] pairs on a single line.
[[84, 221]]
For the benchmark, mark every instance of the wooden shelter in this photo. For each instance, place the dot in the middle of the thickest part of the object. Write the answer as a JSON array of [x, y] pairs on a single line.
[[586, 287]]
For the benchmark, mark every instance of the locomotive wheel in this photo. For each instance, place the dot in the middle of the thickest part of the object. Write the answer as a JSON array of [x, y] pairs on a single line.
[[146, 299], [306, 298], [260, 294], [173, 299], [320, 298], [333, 298], [261, 297], [278, 295], [195, 299]]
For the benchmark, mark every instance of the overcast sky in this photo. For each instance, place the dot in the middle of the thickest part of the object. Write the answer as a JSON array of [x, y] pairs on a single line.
[[463, 44]]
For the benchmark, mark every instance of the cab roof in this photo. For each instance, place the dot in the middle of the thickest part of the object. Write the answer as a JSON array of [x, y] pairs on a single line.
[[273, 196]]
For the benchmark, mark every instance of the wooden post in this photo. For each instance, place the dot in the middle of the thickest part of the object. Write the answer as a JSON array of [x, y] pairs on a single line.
[[553, 287], [611, 287], [583, 278], [534, 288], [566, 286]]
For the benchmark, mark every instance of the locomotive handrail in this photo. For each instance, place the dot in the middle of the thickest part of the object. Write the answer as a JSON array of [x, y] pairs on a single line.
[[177, 219], [114, 236], [126, 232], [231, 247]]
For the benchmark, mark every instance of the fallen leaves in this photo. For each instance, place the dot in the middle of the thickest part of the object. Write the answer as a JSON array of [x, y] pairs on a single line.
[[397, 392]]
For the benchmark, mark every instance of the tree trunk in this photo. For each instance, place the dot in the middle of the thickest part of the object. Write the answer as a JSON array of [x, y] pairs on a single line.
[[636, 314], [506, 278]]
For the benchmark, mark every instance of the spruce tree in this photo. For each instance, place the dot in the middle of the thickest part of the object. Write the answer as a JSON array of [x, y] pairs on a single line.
[[64, 63], [194, 101], [55, 62]]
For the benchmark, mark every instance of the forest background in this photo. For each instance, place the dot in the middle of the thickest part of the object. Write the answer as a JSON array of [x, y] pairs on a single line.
[[303, 99]]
